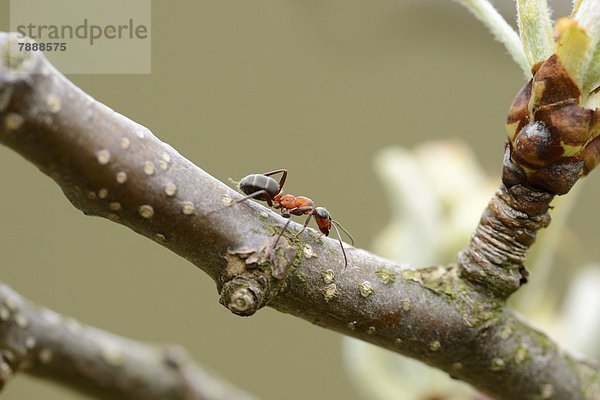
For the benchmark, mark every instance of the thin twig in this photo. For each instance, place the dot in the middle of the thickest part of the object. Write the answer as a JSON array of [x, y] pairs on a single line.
[[45, 344]]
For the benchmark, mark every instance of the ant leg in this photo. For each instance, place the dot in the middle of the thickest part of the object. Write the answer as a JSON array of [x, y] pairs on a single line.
[[341, 245], [283, 176], [250, 196], [300, 211], [282, 230], [305, 225]]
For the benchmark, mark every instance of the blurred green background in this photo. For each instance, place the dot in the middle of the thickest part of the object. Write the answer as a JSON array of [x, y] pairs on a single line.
[[317, 87]]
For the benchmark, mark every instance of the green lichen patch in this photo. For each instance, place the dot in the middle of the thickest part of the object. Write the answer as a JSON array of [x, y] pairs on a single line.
[[330, 292], [406, 304], [274, 230], [435, 345], [263, 216], [387, 276], [476, 309], [301, 277], [308, 251], [506, 332], [328, 276], [521, 354], [438, 279], [543, 341], [366, 289], [497, 364]]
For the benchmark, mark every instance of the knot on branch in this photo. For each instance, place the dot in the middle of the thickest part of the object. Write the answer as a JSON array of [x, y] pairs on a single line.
[[494, 257], [255, 276], [243, 295], [553, 140], [16, 68]]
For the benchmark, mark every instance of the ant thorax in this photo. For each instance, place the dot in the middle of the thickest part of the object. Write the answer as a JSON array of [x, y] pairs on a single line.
[[289, 202]]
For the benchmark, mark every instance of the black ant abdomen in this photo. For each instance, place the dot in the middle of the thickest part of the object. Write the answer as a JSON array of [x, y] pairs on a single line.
[[266, 186]]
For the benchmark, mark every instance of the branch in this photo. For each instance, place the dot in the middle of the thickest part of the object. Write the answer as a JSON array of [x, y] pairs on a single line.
[[109, 166], [493, 259], [95, 362]]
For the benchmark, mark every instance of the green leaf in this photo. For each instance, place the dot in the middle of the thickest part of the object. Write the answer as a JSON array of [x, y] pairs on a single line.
[[592, 76], [535, 28], [587, 14], [573, 50]]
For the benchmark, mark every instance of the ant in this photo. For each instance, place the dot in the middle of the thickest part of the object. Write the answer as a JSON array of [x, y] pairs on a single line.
[[264, 188]]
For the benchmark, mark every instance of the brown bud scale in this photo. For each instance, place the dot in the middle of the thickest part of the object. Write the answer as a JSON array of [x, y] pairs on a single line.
[[551, 136]]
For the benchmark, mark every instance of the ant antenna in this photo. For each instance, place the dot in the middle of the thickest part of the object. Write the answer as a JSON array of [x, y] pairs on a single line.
[[341, 245], [343, 229]]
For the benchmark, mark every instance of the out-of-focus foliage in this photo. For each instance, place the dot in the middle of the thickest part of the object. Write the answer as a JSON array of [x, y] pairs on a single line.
[[437, 193]]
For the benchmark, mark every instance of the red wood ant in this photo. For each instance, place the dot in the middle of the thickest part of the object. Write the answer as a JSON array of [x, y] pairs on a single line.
[[264, 188]]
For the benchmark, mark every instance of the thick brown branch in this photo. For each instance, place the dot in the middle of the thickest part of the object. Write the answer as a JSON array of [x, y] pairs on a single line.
[[45, 344], [110, 166]]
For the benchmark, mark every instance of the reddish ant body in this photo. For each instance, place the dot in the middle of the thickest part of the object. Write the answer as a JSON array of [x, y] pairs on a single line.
[[264, 188]]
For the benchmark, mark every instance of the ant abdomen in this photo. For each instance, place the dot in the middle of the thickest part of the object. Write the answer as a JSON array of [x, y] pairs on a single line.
[[256, 182]]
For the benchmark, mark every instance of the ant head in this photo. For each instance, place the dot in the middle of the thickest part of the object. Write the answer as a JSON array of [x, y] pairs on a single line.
[[321, 212], [323, 219]]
